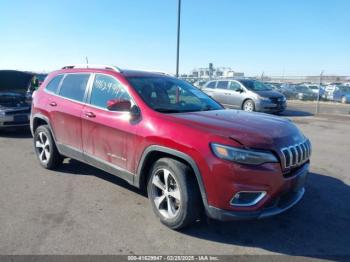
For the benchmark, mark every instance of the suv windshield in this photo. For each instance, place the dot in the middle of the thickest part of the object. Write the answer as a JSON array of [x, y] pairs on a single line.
[[254, 85], [171, 95]]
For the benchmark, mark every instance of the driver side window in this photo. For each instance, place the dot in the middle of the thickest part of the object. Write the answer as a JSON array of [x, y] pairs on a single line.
[[106, 88], [234, 86]]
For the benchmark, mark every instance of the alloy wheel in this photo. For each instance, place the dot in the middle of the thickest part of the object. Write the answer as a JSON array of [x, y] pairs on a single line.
[[42, 144], [248, 106], [166, 193]]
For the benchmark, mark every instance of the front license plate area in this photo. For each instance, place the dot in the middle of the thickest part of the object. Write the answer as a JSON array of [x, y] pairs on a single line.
[[20, 119], [300, 181]]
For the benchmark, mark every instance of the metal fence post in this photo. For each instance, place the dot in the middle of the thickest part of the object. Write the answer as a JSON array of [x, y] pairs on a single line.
[[318, 95]]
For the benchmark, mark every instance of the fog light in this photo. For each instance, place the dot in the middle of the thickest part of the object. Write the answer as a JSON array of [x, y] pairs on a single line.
[[247, 198]]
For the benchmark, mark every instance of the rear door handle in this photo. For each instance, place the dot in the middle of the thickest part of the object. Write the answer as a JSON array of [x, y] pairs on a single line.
[[227, 93], [90, 114], [53, 104]]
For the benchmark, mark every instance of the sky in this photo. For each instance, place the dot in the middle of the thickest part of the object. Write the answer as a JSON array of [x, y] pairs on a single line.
[[284, 37]]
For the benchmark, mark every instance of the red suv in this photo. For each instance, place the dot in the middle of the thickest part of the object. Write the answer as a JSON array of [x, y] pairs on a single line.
[[164, 135]]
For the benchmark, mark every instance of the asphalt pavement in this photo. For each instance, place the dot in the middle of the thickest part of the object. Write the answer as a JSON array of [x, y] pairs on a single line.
[[81, 210]]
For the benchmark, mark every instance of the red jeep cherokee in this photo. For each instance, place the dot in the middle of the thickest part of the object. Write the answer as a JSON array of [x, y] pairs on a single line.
[[162, 134]]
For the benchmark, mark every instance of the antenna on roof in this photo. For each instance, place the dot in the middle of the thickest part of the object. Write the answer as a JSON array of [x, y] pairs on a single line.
[[87, 61]]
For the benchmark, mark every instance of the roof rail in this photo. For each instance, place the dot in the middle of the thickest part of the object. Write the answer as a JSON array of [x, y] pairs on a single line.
[[114, 68], [154, 71]]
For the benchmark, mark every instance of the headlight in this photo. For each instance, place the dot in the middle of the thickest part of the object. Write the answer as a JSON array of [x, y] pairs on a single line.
[[2, 113], [265, 99], [243, 156]]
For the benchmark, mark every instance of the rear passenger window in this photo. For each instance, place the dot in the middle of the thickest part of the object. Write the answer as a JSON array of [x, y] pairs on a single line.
[[106, 88], [222, 84], [54, 83], [74, 85], [211, 85]]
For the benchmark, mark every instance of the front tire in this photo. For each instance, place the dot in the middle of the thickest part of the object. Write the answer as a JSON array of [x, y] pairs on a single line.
[[174, 193], [45, 148], [248, 105]]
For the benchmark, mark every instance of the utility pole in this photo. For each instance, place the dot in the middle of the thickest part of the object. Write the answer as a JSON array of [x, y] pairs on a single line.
[[178, 36]]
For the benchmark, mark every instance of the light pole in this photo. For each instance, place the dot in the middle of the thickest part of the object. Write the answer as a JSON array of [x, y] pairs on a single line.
[[178, 36]]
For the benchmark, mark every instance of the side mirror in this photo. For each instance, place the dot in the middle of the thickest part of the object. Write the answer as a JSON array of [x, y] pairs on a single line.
[[135, 112], [240, 90], [118, 105]]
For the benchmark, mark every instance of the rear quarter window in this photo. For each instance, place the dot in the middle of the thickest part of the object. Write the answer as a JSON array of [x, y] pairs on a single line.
[[52, 86]]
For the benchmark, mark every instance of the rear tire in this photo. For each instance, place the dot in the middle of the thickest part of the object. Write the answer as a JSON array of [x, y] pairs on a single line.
[[248, 105], [174, 194], [45, 148]]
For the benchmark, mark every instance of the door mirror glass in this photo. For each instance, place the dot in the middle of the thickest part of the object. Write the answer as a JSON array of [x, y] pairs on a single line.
[[118, 105], [135, 112]]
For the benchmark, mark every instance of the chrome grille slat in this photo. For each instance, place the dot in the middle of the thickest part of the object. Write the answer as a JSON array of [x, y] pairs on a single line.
[[296, 154], [303, 148]]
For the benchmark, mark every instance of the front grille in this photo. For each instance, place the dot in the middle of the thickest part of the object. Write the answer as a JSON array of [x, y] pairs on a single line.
[[276, 100], [296, 155], [20, 111]]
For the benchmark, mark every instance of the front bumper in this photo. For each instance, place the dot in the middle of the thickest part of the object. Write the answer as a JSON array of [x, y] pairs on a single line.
[[14, 119], [280, 205], [264, 106], [283, 190]]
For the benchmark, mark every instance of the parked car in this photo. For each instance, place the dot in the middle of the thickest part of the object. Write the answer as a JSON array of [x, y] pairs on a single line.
[[305, 93], [145, 127], [288, 90], [329, 90], [200, 83], [14, 104], [342, 94], [316, 89], [246, 94]]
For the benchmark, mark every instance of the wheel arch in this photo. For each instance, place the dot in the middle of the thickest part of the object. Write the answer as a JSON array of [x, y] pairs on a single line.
[[38, 120], [155, 152]]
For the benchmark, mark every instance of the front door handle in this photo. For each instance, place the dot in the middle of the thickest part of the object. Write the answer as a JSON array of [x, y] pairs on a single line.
[[53, 104], [90, 114], [227, 94]]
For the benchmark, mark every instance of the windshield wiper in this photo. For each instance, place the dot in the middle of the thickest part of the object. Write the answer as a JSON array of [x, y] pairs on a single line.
[[166, 110]]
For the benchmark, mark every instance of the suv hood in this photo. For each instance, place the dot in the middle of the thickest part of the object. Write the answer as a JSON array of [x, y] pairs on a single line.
[[254, 130], [269, 94]]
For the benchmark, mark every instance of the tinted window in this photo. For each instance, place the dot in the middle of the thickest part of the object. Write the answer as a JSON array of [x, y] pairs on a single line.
[[53, 85], [211, 85], [234, 86], [106, 88], [74, 85], [222, 84], [171, 95]]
